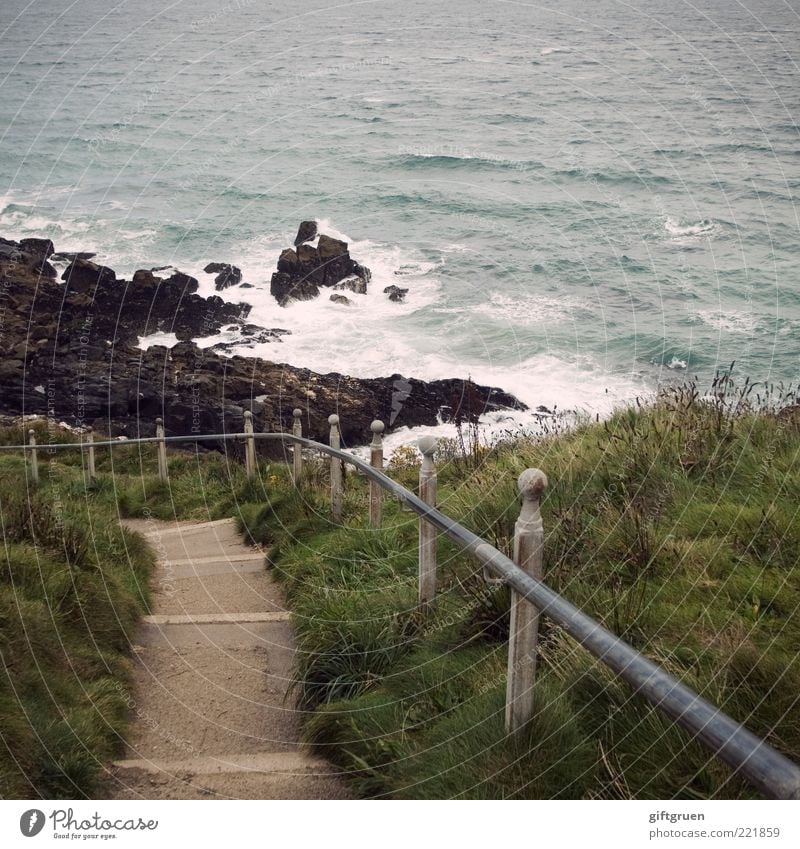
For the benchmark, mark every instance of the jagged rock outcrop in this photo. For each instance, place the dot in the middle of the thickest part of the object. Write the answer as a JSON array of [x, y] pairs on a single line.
[[70, 353], [227, 275], [395, 293], [304, 269]]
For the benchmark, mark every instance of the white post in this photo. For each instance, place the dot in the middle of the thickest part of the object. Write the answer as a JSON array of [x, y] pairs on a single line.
[[297, 449], [376, 461], [427, 532], [90, 440], [524, 627], [249, 446], [162, 451], [336, 470], [34, 457]]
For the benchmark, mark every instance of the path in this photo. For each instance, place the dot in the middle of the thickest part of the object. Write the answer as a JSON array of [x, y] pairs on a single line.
[[211, 713]]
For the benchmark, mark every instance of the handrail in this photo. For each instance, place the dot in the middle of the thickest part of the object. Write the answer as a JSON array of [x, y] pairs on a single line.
[[765, 768]]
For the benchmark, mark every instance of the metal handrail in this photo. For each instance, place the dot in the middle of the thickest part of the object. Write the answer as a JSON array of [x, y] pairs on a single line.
[[754, 759]]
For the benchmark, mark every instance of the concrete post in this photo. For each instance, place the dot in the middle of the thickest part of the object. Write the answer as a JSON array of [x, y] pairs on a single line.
[[249, 446], [524, 628], [427, 532], [297, 449], [91, 466], [34, 456], [162, 451], [336, 470], [376, 461]]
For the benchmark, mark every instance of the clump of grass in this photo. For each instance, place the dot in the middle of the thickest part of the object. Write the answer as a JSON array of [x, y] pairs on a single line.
[[673, 523], [73, 584]]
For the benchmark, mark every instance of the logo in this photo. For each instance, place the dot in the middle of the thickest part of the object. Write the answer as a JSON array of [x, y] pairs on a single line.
[[31, 822]]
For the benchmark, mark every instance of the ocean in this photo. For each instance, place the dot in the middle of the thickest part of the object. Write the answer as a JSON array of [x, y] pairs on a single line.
[[585, 201]]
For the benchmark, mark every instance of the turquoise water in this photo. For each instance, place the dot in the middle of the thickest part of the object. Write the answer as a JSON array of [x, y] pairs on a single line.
[[583, 201]]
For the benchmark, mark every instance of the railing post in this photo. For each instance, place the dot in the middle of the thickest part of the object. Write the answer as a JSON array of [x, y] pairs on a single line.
[[91, 466], [249, 446], [162, 451], [524, 627], [427, 532], [297, 449], [34, 457], [336, 470], [376, 461]]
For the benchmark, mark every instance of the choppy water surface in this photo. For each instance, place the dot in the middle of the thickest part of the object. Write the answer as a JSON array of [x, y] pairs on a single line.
[[583, 201]]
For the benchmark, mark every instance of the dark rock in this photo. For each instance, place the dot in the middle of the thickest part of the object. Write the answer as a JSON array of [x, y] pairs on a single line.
[[288, 262], [302, 271], [83, 275], [341, 299], [395, 293], [144, 277], [83, 349], [227, 275], [352, 284], [286, 288], [307, 232], [246, 286], [41, 248]]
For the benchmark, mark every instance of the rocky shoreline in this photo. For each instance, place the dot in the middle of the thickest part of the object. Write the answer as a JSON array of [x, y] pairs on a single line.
[[69, 350]]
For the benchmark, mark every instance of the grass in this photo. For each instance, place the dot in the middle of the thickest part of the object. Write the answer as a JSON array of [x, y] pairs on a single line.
[[674, 523], [73, 585]]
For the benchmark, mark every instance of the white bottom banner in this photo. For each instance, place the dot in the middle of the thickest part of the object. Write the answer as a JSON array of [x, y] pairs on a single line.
[[351, 825]]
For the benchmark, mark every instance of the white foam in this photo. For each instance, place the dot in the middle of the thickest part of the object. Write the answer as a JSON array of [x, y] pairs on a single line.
[[729, 321], [679, 229], [168, 340], [547, 51], [526, 312]]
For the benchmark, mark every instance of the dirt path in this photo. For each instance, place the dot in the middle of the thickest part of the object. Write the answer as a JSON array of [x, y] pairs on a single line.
[[212, 713]]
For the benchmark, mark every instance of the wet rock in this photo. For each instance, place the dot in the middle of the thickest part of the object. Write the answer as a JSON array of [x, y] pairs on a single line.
[[306, 232], [286, 288], [357, 285], [83, 275], [227, 275], [40, 248], [303, 270], [83, 348], [395, 293], [341, 299]]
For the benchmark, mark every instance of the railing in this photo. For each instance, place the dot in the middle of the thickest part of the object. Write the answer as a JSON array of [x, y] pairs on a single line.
[[752, 758]]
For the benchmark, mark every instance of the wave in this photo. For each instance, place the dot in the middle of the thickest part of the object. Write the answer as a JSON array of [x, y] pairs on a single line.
[[678, 228], [642, 177], [465, 159], [549, 51]]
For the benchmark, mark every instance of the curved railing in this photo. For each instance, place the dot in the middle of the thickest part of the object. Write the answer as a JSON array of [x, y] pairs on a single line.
[[752, 758]]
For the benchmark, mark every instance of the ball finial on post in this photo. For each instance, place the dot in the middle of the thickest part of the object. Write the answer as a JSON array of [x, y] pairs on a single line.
[[162, 451], [336, 470], [34, 456], [427, 532], [249, 446], [376, 461], [524, 625], [297, 448]]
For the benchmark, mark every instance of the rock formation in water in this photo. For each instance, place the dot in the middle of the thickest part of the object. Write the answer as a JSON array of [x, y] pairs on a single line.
[[69, 351], [304, 269]]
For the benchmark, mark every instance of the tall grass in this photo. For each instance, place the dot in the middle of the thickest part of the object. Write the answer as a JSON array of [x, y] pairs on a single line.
[[673, 522]]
